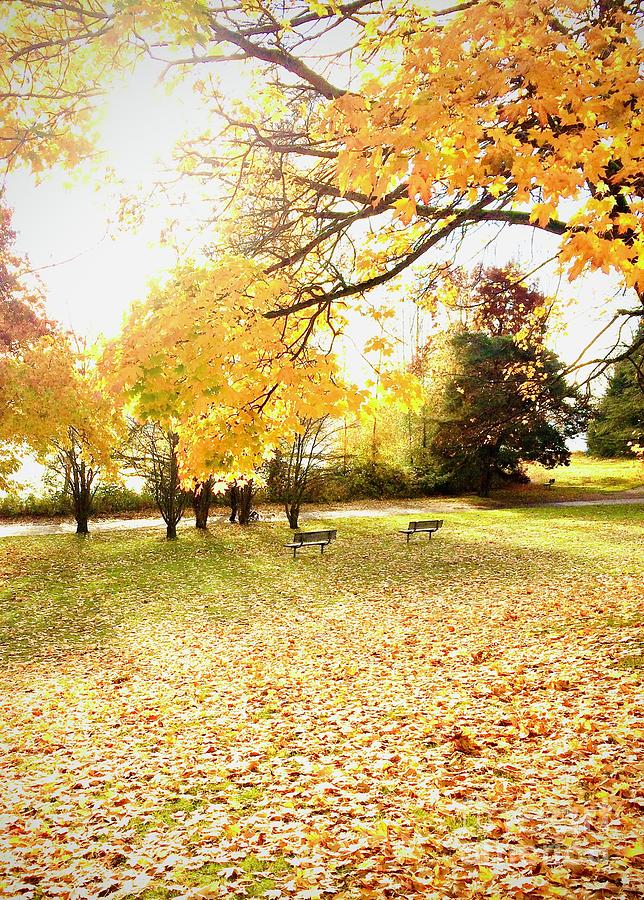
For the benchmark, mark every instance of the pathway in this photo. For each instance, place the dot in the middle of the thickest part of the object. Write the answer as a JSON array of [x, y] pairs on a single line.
[[31, 529]]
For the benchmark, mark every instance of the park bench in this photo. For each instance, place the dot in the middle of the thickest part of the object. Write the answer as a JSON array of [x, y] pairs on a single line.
[[550, 483], [427, 527], [311, 539]]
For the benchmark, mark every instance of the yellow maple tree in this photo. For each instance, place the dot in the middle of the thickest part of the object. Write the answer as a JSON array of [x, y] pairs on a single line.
[[201, 355]]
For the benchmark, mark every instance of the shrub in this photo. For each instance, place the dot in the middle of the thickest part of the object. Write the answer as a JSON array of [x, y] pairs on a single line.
[[110, 498]]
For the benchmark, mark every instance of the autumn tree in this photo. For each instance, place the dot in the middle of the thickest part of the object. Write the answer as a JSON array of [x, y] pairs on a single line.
[[240, 497], [495, 405], [618, 424], [151, 453], [495, 300], [78, 475], [298, 464], [522, 114], [201, 498], [50, 402], [201, 353], [56, 405]]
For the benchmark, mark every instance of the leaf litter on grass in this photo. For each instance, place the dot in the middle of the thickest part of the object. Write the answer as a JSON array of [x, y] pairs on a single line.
[[447, 722], [448, 743]]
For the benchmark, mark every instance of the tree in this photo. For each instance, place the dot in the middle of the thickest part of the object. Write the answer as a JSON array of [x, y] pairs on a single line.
[[202, 494], [618, 424], [497, 301], [519, 113], [78, 474], [55, 406], [497, 404], [240, 494], [151, 453], [295, 468], [201, 353]]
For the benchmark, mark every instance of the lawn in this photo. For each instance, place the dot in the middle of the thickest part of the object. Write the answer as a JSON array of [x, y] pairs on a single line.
[[584, 478], [209, 718]]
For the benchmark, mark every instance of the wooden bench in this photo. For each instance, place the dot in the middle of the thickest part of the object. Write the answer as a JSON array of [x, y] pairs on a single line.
[[550, 483], [427, 527], [311, 538]]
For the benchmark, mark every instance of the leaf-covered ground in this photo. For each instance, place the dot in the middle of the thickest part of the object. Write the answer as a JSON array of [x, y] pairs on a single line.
[[460, 718]]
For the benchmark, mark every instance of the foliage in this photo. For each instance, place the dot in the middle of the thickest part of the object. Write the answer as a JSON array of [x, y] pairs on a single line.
[[22, 317], [458, 719], [368, 478], [108, 498], [22, 326], [497, 404], [202, 353], [519, 113], [54, 503], [495, 301], [618, 425]]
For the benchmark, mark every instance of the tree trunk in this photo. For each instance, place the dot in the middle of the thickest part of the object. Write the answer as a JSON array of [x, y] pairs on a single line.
[[487, 469], [171, 531], [201, 500], [486, 478], [82, 504], [81, 523], [292, 514], [233, 503], [244, 502]]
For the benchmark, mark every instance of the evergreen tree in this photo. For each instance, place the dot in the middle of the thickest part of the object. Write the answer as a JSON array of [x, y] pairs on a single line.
[[619, 421], [496, 405]]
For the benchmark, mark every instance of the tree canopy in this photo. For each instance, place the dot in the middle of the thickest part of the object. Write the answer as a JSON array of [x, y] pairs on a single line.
[[495, 405], [201, 355], [374, 133]]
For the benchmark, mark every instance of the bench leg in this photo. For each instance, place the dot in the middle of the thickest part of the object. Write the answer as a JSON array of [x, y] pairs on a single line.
[[321, 548], [294, 552], [408, 536]]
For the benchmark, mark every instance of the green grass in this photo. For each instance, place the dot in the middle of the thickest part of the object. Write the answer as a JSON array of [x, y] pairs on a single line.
[[61, 591], [585, 477]]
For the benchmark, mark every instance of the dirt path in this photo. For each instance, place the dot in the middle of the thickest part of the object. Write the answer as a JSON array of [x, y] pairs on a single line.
[[617, 501]]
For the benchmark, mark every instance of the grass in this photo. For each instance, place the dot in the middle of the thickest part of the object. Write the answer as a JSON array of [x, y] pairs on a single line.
[[584, 478], [61, 591], [209, 717]]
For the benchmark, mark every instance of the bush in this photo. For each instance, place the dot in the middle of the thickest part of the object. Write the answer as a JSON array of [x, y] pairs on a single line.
[[376, 480], [54, 504], [110, 498], [115, 498]]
